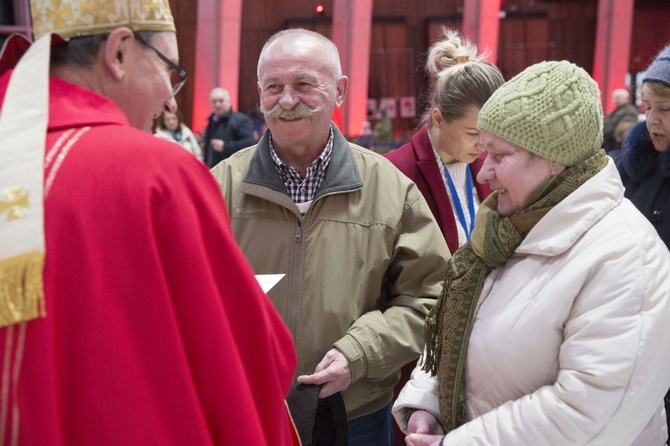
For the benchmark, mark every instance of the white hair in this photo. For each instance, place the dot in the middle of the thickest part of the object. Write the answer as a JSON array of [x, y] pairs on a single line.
[[332, 56], [219, 91]]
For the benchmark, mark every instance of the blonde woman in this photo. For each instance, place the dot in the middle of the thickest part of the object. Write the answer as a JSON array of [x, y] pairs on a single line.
[[444, 156]]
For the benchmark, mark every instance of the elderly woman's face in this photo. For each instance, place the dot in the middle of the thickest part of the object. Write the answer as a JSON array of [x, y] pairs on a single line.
[[657, 112], [514, 172]]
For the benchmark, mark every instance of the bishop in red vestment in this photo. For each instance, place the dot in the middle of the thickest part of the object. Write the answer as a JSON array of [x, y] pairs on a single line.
[[153, 329]]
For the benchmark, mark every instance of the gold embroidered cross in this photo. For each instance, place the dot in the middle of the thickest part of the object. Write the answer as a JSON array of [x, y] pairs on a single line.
[[17, 200]]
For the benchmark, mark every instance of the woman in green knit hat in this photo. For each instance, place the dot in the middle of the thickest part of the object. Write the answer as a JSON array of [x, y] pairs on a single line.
[[551, 321]]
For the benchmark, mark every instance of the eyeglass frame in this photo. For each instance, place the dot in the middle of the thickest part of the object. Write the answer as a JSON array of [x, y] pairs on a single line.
[[171, 65]]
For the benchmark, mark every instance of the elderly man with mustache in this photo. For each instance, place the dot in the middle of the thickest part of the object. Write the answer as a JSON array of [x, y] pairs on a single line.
[[362, 253]]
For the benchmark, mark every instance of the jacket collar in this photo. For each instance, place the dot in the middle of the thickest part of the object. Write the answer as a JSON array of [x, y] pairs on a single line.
[[342, 173], [557, 231], [73, 106], [639, 158], [421, 140], [214, 118]]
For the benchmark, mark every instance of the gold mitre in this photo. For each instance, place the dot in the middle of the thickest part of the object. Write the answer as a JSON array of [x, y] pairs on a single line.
[[78, 18]]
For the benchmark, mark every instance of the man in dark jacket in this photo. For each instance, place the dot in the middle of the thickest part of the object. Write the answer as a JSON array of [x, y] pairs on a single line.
[[624, 112], [227, 131]]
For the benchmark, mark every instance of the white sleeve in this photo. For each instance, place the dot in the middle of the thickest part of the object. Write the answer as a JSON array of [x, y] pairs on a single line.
[[420, 393]]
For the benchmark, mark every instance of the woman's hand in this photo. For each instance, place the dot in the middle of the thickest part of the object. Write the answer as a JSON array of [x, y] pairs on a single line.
[[423, 429], [423, 440], [423, 422]]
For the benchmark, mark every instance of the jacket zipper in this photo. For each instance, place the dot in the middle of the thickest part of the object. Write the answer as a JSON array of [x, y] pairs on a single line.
[[294, 290]]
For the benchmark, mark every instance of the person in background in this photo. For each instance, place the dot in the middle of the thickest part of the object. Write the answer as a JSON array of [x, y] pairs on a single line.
[[258, 121], [552, 322], [644, 163], [444, 156], [362, 254], [227, 131], [128, 314], [383, 133], [620, 134], [171, 127], [366, 138], [624, 112]]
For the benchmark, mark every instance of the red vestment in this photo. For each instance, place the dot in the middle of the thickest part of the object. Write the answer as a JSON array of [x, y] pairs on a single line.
[[156, 332]]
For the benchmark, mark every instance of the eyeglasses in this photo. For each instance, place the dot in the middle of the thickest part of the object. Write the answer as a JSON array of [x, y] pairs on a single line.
[[180, 75]]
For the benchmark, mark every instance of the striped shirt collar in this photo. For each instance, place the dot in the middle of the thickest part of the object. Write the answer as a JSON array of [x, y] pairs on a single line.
[[303, 190]]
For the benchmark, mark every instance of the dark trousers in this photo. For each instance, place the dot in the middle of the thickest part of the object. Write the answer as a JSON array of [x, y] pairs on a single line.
[[373, 429]]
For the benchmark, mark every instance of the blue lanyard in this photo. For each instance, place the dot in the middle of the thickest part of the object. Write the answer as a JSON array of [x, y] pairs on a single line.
[[457, 201]]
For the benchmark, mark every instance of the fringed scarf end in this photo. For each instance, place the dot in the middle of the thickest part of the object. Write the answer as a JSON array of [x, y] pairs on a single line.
[[432, 341]]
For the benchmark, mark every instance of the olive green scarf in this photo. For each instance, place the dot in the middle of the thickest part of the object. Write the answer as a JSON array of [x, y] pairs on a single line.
[[493, 241]]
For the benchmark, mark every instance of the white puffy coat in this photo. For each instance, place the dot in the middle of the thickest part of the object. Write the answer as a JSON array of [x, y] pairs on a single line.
[[571, 336]]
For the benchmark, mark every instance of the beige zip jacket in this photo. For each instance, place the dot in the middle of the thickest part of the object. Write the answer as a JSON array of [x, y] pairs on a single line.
[[363, 265]]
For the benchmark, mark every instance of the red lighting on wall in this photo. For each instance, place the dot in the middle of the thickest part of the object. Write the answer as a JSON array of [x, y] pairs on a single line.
[[319, 9]]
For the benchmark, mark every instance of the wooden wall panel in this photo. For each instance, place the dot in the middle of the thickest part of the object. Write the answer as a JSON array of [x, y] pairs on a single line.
[[185, 14], [523, 42], [416, 11], [252, 43], [573, 31], [391, 67], [435, 29], [651, 32], [390, 61]]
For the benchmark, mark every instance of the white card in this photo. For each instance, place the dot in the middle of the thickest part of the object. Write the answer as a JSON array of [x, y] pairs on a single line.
[[267, 281]]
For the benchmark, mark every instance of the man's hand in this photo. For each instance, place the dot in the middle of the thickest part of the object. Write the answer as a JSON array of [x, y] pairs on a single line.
[[217, 144], [333, 372], [424, 422], [423, 440]]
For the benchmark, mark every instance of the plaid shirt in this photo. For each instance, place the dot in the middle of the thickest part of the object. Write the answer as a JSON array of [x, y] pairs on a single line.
[[302, 191]]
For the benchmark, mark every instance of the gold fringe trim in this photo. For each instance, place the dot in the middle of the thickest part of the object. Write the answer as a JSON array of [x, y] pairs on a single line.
[[21, 288]]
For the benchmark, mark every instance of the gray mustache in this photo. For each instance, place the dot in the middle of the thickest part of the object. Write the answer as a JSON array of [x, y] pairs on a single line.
[[301, 110]]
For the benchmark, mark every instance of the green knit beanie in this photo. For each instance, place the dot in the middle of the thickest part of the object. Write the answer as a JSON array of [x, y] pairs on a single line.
[[551, 109]]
